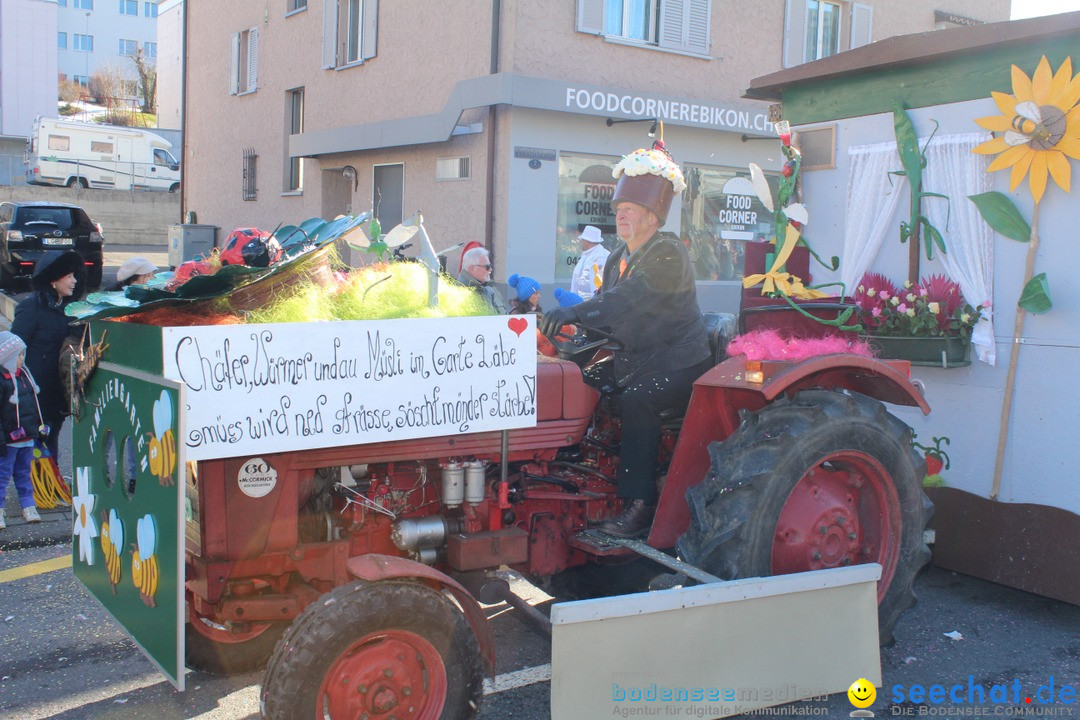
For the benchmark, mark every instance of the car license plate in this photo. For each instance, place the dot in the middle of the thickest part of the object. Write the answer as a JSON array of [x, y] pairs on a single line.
[[56, 241]]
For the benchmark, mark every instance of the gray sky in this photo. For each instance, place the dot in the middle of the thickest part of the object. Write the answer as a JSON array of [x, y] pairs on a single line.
[[1036, 8]]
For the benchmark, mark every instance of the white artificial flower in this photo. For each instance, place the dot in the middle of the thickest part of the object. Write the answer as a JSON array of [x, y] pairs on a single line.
[[934, 307]]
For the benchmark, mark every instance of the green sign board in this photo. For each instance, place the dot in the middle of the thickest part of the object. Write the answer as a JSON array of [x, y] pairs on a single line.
[[127, 503]]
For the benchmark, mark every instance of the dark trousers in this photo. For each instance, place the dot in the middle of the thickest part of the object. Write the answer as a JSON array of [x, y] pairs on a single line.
[[642, 403]]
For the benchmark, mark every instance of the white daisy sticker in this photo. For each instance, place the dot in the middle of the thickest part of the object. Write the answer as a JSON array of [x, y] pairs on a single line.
[[82, 507]]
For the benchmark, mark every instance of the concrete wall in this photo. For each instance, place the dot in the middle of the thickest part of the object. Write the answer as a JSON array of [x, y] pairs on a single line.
[[127, 218]]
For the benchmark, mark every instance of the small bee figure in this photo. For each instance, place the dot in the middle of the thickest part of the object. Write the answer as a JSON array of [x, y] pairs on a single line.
[[112, 543], [144, 564], [163, 446]]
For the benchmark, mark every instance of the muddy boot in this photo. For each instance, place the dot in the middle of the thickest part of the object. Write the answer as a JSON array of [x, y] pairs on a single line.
[[635, 520]]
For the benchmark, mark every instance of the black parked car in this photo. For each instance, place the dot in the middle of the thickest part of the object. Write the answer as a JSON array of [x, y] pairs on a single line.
[[30, 229]]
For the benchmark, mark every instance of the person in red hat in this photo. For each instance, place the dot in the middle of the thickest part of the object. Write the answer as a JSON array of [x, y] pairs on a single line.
[[648, 302]]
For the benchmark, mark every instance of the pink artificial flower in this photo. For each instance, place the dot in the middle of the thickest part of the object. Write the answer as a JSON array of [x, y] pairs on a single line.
[[876, 312]]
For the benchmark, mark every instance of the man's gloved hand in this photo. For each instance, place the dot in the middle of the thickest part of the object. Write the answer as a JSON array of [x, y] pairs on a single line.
[[556, 318]]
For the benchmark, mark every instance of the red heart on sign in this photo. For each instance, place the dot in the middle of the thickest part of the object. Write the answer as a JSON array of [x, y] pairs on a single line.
[[518, 325]]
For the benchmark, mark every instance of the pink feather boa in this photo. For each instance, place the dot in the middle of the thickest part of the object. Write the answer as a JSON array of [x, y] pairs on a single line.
[[769, 345]]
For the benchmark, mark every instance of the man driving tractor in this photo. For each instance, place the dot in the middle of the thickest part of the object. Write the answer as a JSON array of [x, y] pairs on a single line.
[[648, 302]]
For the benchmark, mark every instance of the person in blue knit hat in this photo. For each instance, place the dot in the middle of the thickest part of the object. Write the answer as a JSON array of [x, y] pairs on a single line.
[[565, 298], [526, 296]]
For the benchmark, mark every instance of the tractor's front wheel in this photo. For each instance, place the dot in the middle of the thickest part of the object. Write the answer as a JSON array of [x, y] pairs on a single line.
[[377, 650], [821, 480]]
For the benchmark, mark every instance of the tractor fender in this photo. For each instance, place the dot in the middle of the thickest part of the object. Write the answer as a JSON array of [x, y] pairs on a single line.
[[374, 567], [725, 391]]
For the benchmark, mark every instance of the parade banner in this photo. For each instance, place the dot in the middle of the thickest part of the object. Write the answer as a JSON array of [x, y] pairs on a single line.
[[294, 386]]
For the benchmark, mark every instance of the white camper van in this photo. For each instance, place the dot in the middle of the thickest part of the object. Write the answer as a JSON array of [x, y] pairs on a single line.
[[65, 152]]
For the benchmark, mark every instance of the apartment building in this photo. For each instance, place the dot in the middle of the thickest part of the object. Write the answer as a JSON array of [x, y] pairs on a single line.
[[27, 75], [94, 34], [501, 120]]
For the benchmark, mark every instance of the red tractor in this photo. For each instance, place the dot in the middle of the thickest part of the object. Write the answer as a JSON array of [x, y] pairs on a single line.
[[364, 571]]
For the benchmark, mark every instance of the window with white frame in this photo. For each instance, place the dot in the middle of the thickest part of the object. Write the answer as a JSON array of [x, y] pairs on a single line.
[[822, 29], [631, 19], [349, 32], [128, 47], [673, 25], [243, 75], [129, 7], [151, 50], [81, 80], [61, 40], [294, 5], [83, 4], [150, 9], [294, 175], [83, 42], [815, 29], [453, 168]]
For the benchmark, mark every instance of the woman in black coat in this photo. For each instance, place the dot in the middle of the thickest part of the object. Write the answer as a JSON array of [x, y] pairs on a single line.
[[41, 323]]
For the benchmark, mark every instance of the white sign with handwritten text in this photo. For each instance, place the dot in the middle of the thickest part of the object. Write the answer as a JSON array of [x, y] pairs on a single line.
[[253, 389]]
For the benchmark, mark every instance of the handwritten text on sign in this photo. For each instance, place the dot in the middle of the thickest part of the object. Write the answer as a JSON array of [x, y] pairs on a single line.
[[292, 386]]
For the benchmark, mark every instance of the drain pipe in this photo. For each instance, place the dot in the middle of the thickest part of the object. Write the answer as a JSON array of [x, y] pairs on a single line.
[[489, 230], [183, 110]]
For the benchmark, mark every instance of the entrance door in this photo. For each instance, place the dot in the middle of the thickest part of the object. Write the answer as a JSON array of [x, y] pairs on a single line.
[[388, 194], [126, 170]]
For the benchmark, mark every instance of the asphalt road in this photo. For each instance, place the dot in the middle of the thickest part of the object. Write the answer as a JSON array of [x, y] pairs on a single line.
[[62, 657]]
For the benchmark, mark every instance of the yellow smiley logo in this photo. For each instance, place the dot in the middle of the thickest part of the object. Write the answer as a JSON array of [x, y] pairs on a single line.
[[862, 693]]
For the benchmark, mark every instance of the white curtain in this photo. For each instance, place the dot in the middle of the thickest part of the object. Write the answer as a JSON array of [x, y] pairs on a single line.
[[872, 198], [953, 170]]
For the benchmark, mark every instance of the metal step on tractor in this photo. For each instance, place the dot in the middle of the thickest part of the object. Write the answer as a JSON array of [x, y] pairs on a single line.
[[359, 587]]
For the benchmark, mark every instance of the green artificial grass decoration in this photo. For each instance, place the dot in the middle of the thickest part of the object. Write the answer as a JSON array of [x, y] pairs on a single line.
[[377, 292]]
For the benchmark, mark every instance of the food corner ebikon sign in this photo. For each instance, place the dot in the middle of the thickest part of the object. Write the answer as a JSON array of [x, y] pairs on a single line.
[[250, 389]]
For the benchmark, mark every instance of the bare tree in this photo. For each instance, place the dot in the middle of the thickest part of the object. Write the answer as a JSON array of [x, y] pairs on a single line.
[[69, 90], [147, 79]]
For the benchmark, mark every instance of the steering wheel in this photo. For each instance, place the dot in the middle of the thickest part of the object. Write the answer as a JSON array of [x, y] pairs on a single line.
[[583, 344]]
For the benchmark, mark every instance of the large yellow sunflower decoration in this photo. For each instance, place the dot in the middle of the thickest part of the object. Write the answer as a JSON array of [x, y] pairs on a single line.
[[1039, 126]]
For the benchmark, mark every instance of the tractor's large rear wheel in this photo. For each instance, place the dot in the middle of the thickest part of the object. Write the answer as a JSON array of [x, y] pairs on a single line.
[[377, 650], [822, 480]]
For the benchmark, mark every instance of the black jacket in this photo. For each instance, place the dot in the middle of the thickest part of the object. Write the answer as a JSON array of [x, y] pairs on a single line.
[[651, 308], [41, 323], [27, 416]]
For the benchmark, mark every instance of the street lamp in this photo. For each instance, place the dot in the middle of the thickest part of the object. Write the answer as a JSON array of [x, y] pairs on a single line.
[[86, 57]]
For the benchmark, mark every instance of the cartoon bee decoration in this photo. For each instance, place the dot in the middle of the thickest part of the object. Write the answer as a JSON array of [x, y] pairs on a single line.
[[112, 544], [162, 451], [144, 564]]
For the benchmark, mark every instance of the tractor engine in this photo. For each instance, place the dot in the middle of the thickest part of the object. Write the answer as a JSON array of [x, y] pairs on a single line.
[[459, 513]]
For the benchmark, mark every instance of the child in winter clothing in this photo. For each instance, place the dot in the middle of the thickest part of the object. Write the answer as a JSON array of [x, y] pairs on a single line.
[[524, 295], [20, 424]]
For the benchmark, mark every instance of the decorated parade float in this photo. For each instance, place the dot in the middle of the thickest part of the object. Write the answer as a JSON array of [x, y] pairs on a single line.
[[961, 144], [283, 463]]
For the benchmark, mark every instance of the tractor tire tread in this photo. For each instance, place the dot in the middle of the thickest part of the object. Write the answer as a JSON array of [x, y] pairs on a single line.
[[331, 624], [730, 535]]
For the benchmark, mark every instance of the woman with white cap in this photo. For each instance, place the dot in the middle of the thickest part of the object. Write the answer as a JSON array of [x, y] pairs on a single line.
[[135, 271]]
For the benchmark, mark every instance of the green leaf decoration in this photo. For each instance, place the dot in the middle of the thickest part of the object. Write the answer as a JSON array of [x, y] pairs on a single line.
[[1000, 213], [907, 146], [932, 234], [1036, 295]]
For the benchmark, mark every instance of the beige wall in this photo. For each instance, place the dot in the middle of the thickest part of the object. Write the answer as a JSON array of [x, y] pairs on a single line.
[[127, 218], [424, 50]]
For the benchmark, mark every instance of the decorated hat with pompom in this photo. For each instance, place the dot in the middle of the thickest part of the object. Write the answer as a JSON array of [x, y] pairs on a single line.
[[648, 177], [524, 286]]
